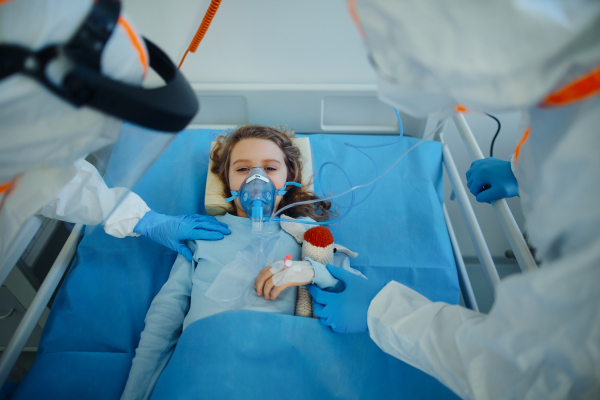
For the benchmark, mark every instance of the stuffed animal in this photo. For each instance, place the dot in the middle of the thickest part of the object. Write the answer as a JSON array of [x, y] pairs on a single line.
[[317, 243]]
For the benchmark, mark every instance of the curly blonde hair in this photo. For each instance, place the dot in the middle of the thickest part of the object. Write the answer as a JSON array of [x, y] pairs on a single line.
[[221, 158]]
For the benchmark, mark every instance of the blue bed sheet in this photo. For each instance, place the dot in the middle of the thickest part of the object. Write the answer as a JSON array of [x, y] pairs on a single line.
[[97, 317]]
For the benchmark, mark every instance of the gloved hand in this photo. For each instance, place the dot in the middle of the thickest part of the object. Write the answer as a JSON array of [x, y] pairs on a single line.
[[171, 231], [345, 312], [491, 179]]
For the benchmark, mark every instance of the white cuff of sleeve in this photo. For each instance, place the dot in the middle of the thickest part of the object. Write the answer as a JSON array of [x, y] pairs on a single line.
[[323, 279], [126, 216], [394, 302]]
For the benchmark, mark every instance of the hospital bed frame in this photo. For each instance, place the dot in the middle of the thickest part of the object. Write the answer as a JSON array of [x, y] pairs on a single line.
[[507, 221]]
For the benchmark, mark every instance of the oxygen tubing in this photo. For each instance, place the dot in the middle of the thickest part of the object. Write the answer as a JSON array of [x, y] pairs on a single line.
[[352, 189]]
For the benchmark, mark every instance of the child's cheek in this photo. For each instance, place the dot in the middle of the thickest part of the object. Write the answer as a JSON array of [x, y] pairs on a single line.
[[235, 184]]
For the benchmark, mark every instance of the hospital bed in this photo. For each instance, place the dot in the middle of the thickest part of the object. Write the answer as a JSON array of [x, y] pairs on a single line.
[[401, 232]]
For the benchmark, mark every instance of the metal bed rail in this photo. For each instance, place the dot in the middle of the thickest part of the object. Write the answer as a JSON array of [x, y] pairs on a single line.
[[511, 230], [481, 248], [31, 317], [463, 278], [507, 221]]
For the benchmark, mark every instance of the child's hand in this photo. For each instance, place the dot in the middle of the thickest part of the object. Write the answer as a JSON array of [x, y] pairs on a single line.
[[264, 284]]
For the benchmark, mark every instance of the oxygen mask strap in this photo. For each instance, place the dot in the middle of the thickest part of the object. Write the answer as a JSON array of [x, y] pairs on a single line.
[[234, 195], [283, 191]]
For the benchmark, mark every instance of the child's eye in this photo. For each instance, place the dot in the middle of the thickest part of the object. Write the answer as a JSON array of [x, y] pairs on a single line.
[[243, 169], [271, 169]]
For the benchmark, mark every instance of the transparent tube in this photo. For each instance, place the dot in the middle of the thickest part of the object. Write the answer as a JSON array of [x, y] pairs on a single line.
[[358, 147], [352, 189], [257, 225]]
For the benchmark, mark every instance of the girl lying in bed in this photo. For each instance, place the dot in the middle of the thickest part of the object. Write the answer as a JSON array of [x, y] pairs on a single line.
[[182, 300]]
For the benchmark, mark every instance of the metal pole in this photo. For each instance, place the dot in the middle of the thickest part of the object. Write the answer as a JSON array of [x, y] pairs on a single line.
[[507, 221], [31, 317], [19, 243], [463, 278], [483, 253]]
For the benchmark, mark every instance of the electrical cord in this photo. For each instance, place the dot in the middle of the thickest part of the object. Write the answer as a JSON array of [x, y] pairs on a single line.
[[496, 135], [208, 17]]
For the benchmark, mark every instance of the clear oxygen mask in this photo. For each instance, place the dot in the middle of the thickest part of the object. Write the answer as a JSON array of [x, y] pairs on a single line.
[[257, 197]]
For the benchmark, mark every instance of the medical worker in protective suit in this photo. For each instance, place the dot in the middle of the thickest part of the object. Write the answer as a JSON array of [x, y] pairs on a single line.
[[541, 339], [70, 73]]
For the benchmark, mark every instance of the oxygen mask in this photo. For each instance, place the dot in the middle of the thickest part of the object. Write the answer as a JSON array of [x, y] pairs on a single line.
[[257, 197]]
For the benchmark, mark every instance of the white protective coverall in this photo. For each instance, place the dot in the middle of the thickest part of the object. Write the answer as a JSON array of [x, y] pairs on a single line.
[[541, 339], [43, 139]]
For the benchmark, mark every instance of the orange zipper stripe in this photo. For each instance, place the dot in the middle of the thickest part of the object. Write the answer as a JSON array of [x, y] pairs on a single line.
[[582, 88], [4, 187], [136, 42], [521, 142]]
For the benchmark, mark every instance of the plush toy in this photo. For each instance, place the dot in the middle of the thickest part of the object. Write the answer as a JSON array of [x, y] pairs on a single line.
[[317, 243]]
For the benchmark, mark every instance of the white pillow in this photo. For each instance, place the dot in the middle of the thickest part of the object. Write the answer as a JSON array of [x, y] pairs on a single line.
[[214, 202]]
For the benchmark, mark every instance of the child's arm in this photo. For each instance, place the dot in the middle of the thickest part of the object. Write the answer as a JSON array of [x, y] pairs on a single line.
[[265, 285], [270, 288], [163, 327]]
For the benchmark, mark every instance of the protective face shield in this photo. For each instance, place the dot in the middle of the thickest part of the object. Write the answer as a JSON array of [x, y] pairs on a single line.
[[431, 55], [64, 62], [70, 73]]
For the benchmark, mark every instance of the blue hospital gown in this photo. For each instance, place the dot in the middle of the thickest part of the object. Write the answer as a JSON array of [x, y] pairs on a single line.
[[182, 300]]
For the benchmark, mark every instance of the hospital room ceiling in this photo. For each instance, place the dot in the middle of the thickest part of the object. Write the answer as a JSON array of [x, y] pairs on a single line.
[[259, 42]]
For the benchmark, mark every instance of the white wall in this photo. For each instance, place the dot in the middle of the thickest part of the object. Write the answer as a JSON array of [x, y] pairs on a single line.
[[260, 41], [309, 42]]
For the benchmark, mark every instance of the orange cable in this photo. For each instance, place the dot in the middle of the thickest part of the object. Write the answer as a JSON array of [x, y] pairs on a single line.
[[355, 19], [208, 17], [186, 51]]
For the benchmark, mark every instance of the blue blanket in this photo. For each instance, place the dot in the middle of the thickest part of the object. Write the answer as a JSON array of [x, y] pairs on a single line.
[[95, 323], [266, 356]]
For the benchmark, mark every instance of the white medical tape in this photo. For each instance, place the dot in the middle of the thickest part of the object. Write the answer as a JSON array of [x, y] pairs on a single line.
[[299, 272]]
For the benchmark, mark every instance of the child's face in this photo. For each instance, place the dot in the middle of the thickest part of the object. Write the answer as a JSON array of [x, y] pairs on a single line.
[[250, 153]]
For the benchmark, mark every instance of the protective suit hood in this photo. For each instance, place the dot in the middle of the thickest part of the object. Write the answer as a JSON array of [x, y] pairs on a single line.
[[497, 55], [36, 127]]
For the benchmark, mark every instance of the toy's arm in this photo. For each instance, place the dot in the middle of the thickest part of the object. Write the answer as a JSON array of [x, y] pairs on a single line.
[[324, 280]]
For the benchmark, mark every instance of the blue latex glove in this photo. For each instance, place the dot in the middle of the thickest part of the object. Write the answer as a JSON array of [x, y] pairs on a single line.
[[345, 312], [171, 231], [491, 179]]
